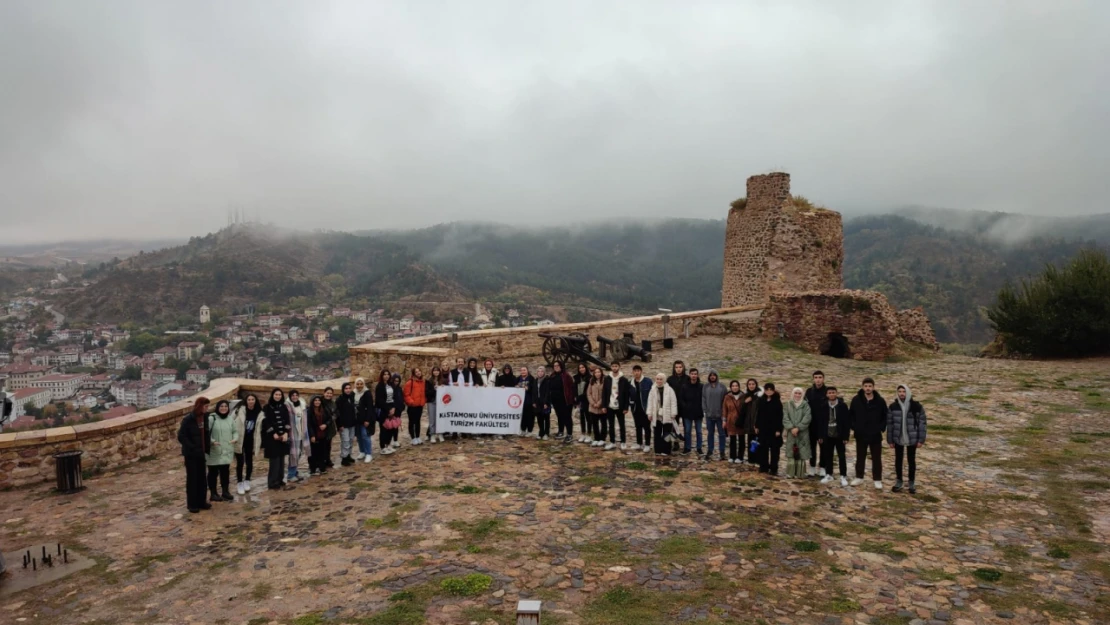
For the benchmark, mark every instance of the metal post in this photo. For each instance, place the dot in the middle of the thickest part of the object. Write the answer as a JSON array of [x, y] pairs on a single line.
[[528, 612]]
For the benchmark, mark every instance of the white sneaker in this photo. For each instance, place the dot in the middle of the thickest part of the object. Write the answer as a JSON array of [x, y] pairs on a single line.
[[440, 437], [623, 447], [826, 479], [647, 448], [396, 444], [368, 458], [821, 472], [610, 447], [247, 486], [856, 481], [239, 488], [388, 450], [878, 485], [500, 438], [843, 481], [414, 442], [432, 439]]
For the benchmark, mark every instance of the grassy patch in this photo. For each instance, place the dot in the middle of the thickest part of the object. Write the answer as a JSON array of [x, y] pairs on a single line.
[[480, 530], [308, 619], [467, 585], [484, 615], [1059, 553], [891, 619], [144, 563], [987, 575], [667, 473], [842, 605], [594, 480], [604, 552], [636, 466], [885, 549], [262, 591], [806, 545], [935, 575], [680, 548], [625, 605]]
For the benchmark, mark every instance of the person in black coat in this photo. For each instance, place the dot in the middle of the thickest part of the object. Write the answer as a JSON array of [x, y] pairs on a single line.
[[194, 439], [319, 421], [815, 397], [542, 403], [275, 438], [528, 411], [348, 419], [690, 409], [677, 382], [768, 429], [389, 403], [616, 402], [869, 418], [639, 391], [561, 393], [506, 379], [832, 426]]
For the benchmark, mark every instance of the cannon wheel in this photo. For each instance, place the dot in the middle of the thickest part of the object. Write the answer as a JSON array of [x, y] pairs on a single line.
[[556, 350], [620, 350], [586, 345]]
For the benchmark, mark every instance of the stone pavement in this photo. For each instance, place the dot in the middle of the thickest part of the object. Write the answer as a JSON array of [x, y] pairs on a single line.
[[1008, 525]]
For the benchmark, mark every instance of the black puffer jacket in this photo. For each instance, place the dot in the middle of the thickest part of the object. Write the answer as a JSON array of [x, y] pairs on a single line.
[[689, 401], [346, 412], [192, 438]]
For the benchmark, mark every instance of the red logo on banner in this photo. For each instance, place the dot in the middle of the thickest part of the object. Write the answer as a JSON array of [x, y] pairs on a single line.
[[515, 401], [446, 399]]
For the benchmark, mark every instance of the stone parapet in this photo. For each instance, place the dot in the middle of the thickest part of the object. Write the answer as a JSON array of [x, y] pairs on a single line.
[[914, 327]]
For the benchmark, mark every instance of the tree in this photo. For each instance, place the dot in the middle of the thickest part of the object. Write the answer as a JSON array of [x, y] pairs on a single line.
[[132, 373], [1061, 313], [143, 343], [31, 410]]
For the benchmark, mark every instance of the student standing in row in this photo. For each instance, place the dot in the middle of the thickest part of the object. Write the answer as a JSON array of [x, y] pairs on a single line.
[[415, 397], [581, 404], [222, 436], [430, 400], [905, 432], [275, 438], [388, 399], [639, 391], [333, 425], [561, 391], [247, 418], [732, 412], [712, 404], [662, 410], [869, 419], [752, 395], [595, 393], [815, 397], [350, 428], [614, 395], [298, 442], [768, 430], [526, 382], [320, 425], [833, 423], [193, 437], [542, 407], [365, 421], [796, 419]]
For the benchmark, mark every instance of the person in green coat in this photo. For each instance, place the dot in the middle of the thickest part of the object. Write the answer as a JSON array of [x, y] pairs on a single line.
[[223, 436], [796, 417]]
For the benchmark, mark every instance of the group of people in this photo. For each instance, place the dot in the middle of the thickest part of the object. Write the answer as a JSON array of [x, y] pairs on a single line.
[[668, 413]]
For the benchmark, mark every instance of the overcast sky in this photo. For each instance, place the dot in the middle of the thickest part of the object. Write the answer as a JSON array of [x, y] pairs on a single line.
[[153, 118]]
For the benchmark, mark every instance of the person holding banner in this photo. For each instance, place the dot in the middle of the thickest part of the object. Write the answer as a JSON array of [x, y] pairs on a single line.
[[476, 377], [662, 409], [506, 379], [489, 374], [528, 410]]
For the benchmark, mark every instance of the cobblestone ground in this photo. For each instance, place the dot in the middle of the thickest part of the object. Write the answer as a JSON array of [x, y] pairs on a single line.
[[1008, 525]]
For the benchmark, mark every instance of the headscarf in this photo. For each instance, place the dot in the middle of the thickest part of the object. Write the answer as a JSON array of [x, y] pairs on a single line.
[[223, 402], [277, 402], [797, 402]]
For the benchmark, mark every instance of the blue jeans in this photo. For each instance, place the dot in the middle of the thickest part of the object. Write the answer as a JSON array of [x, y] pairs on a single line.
[[365, 443], [686, 425], [716, 424]]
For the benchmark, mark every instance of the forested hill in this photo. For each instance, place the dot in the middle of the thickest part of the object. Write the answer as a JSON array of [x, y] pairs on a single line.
[[625, 266]]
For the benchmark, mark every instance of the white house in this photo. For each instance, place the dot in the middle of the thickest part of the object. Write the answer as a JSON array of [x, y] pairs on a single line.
[[205, 314], [37, 396]]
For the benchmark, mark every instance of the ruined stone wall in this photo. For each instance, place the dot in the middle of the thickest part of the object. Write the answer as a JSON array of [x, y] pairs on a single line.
[[864, 318], [28, 457], [914, 327], [773, 245], [807, 251], [516, 346]]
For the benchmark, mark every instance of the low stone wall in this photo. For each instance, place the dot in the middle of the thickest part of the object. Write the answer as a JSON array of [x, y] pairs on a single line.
[[514, 345], [914, 327], [864, 318], [28, 457]]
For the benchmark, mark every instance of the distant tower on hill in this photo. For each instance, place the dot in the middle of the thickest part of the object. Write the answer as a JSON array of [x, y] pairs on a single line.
[[205, 314], [775, 243]]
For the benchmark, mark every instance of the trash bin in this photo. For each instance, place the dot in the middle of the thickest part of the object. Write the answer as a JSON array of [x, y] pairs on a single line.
[[67, 466]]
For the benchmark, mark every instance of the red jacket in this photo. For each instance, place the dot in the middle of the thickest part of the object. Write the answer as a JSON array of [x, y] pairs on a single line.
[[414, 393]]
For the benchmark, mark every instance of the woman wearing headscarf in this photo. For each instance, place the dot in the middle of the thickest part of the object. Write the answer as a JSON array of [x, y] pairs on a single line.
[[768, 429], [298, 441], [222, 436], [505, 379], [247, 417], [319, 421], [193, 436], [796, 417], [347, 418], [662, 410], [275, 438], [905, 432]]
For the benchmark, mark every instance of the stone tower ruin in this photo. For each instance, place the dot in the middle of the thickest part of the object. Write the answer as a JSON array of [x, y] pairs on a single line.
[[775, 243]]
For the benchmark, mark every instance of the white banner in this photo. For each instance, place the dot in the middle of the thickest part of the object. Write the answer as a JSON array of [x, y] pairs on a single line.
[[478, 410]]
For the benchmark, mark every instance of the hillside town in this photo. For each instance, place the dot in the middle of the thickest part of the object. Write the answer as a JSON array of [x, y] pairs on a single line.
[[60, 373]]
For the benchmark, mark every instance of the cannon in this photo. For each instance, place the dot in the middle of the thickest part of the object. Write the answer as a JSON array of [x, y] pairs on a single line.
[[562, 348], [623, 348]]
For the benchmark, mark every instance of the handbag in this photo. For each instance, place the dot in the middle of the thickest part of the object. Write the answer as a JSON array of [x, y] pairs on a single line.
[[754, 446]]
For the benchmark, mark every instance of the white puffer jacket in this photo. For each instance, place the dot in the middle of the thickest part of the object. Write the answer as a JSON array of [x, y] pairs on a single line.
[[666, 412]]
